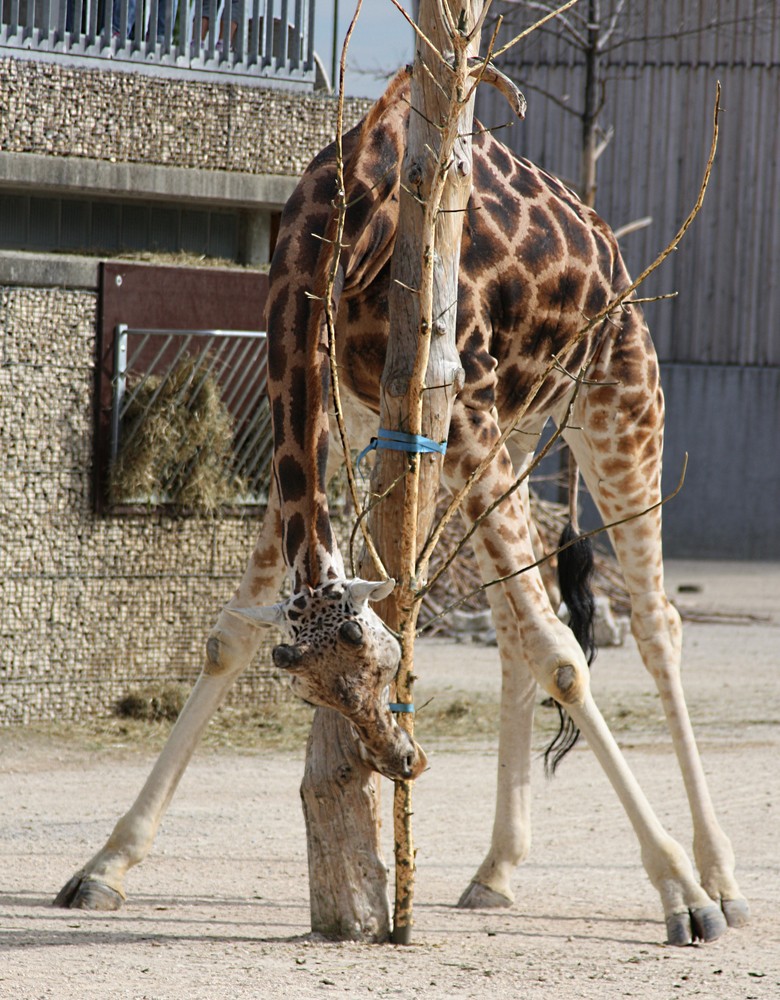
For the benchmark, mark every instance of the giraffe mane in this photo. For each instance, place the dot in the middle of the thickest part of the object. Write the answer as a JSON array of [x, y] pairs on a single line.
[[318, 360]]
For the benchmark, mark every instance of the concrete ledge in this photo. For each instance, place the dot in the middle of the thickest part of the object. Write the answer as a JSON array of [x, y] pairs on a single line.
[[48, 270], [74, 176]]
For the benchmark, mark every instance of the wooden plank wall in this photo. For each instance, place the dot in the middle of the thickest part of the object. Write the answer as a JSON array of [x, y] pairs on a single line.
[[659, 98], [719, 341]]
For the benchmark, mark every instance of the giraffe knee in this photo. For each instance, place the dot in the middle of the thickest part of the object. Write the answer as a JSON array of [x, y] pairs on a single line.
[[569, 683], [558, 663], [564, 678], [658, 634], [226, 655]]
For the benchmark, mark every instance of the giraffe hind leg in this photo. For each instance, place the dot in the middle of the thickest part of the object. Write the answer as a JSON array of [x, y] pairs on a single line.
[[491, 886], [619, 486]]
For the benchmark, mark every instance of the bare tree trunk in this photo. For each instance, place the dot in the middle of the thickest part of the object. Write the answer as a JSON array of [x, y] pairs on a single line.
[[347, 876]]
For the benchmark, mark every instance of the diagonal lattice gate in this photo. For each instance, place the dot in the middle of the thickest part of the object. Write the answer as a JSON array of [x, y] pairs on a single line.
[[190, 422]]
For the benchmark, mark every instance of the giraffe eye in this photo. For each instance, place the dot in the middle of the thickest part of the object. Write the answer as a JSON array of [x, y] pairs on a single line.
[[351, 632]]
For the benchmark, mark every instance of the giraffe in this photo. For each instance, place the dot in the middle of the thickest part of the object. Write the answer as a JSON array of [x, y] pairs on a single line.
[[535, 263]]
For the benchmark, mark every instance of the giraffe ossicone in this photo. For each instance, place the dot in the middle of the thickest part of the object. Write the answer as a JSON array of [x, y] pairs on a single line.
[[360, 591]]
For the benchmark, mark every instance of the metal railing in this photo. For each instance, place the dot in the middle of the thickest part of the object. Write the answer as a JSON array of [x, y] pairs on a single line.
[[190, 421], [260, 41]]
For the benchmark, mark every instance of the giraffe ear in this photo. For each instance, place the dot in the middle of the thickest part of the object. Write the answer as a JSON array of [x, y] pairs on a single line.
[[271, 615], [366, 590]]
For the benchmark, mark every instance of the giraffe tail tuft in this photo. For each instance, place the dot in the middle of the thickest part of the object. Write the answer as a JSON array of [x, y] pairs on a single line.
[[575, 571]]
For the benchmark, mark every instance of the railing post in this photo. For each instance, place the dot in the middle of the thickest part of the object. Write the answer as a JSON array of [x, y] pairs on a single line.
[[253, 56], [268, 47], [46, 25], [309, 64], [281, 52], [239, 48], [119, 385]]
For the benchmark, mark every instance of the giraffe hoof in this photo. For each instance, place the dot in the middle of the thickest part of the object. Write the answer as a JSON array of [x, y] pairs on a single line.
[[736, 912], [480, 897], [708, 923], [83, 893], [703, 924]]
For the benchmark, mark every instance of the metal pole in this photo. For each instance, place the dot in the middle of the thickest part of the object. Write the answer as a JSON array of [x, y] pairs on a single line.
[[334, 62]]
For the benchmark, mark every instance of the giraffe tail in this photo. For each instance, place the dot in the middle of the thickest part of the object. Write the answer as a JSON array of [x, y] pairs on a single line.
[[575, 572]]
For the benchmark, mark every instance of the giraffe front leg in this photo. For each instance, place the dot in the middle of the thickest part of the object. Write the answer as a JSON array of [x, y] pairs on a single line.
[[99, 885], [491, 886]]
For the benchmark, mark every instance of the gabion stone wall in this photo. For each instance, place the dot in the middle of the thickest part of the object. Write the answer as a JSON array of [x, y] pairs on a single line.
[[49, 109], [90, 607]]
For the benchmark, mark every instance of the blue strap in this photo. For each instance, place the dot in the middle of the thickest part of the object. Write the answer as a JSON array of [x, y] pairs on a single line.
[[400, 707], [414, 444]]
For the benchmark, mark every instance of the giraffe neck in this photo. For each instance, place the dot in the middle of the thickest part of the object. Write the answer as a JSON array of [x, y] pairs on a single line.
[[298, 350], [298, 393]]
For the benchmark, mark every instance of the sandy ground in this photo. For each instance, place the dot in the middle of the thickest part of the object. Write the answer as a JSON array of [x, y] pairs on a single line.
[[220, 910]]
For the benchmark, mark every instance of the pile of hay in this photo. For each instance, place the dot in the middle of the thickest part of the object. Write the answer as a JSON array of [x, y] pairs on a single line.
[[179, 445]]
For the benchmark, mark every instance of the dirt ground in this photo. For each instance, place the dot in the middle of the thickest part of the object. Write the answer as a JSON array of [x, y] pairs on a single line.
[[220, 909]]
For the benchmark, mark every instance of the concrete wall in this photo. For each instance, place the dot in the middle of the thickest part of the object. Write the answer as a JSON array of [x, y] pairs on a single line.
[[727, 418]]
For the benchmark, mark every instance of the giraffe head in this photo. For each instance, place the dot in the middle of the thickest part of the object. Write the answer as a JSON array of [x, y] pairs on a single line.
[[340, 655]]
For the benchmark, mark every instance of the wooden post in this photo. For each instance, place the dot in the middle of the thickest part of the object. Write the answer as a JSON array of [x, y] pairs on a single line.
[[340, 795], [422, 373]]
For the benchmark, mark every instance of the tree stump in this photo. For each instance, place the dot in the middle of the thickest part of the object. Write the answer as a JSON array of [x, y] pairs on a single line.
[[347, 874]]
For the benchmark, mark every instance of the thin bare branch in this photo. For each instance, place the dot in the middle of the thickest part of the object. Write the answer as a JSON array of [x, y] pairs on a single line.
[[422, 115], [599, 151], [476, 31], [699, 29], [576, 37], [433, 78], [561, 548], [402, 284], [525, 33], [424, 38], [445, 17], [561, 102], [650, 298], [534, 464], [376, 499], [610, 30], [633, 227]]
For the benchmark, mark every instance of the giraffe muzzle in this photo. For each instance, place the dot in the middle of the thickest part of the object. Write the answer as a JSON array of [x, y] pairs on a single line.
[[404, 762]]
